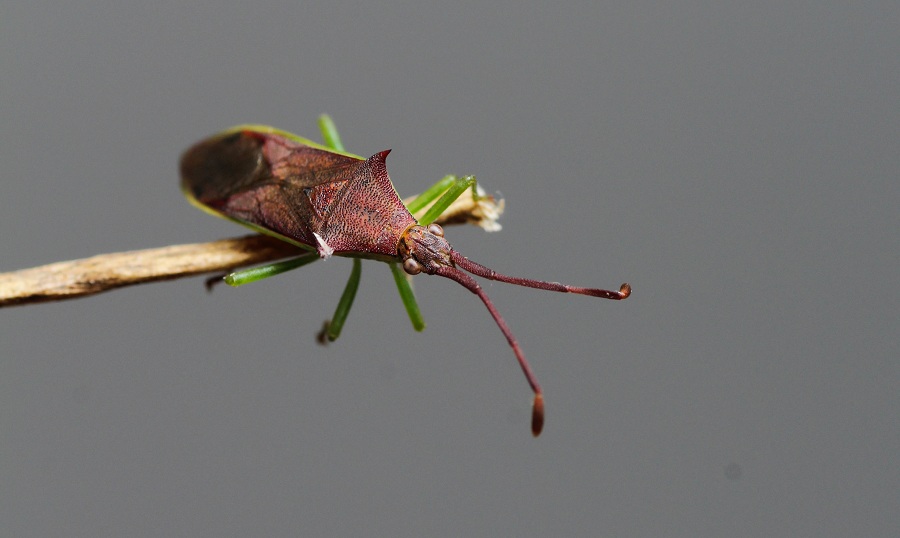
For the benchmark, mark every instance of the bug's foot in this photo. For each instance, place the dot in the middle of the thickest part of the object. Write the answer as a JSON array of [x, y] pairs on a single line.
[[213, 281], [322, 336]]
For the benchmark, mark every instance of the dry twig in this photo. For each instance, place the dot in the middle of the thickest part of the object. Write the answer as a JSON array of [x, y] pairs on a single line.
[[80, 278]]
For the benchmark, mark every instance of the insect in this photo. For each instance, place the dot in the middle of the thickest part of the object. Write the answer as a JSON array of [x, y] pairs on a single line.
[[333, 203]]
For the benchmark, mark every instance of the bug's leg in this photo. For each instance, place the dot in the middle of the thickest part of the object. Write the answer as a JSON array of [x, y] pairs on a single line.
[[332, 329], [330, 133], [454, 190], [213, 281], [246, 276], [431, 194], [404, 286], [458, 205]]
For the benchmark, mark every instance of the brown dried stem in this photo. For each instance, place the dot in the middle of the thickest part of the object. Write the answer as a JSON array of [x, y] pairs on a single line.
[[80, 278]]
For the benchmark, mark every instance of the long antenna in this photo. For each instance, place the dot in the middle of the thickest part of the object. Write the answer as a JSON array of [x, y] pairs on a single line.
[[486, 272], [537, 408]]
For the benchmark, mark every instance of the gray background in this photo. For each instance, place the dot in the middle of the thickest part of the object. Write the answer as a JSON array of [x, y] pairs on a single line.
[[737, 163]]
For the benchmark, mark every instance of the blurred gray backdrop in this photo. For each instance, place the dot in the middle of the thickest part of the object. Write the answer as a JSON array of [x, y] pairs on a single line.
[[737, 163]]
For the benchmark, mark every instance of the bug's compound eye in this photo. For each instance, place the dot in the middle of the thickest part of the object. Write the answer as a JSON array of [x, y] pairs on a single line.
[[436, 230], [412, 267]]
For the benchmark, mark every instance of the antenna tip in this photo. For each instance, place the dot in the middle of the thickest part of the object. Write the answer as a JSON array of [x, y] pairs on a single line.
[[625, 290], [537, 414]]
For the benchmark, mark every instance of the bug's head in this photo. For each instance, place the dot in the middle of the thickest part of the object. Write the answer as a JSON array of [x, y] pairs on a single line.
[[424, 249]]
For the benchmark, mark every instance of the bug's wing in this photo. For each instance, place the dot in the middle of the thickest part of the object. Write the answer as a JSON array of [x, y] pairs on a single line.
[[294, 191], [258, 180]]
